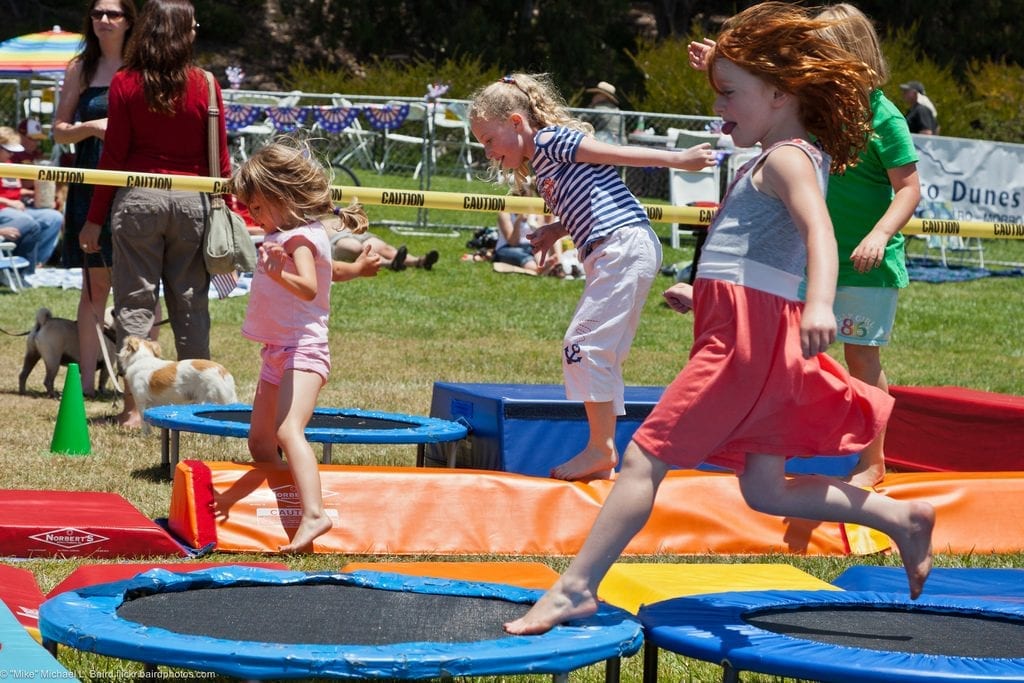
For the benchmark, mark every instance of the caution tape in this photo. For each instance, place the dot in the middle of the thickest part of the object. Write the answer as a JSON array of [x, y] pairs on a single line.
[[457, 201]]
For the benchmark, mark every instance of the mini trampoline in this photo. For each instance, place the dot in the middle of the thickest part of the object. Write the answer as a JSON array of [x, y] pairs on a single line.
[[843, 636], [258, 623], [327, 426]]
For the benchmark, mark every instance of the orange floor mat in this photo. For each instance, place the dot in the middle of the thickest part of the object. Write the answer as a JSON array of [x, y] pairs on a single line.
[[522, 574], [405, 511]]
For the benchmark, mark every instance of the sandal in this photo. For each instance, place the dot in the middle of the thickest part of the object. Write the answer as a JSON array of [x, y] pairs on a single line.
[[429, 260], [398, 263]]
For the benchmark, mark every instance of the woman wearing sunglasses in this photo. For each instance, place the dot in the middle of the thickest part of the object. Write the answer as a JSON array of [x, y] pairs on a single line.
[[81, 120]]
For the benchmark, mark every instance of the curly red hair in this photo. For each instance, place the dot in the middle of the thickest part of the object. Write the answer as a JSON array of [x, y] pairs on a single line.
[[783, 45]]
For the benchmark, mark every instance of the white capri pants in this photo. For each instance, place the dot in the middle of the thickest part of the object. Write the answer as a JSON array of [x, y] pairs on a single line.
[[620, 271]]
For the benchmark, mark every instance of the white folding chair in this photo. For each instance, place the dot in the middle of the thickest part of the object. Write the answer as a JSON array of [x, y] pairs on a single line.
[[452, 117], [357, 141], [686, 188], [9, 265], [40, 103], [417, 113], [955, 244], [249, 138]]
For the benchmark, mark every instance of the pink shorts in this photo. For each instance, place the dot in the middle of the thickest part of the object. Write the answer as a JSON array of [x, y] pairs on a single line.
[[309, 358]]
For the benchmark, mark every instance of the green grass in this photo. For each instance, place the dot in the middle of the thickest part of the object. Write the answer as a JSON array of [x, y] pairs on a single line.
[[393, 336]]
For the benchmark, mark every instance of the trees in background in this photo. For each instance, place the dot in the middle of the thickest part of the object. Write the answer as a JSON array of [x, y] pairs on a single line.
[[967, 53]]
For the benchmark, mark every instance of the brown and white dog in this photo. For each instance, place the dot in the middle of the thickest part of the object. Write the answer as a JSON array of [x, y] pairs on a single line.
[[154, 381]]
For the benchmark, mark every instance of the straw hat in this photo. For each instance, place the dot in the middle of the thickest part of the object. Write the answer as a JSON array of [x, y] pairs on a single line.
[[604, 88]]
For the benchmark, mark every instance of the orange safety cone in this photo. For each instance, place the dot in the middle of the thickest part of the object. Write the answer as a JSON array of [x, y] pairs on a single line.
[[71, 433]]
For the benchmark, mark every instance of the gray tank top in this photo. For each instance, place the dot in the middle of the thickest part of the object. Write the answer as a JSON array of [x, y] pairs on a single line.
[[752, 226]]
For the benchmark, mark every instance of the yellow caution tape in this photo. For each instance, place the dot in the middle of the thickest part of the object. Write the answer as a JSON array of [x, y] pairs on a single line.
[[457, 201]]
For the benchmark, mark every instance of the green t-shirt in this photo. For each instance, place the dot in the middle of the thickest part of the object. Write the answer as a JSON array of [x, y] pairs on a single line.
[[858, 198]]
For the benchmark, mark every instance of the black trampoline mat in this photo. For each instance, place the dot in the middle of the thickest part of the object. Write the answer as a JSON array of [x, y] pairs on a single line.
[[323, 615], [917, 631], [318, 421]]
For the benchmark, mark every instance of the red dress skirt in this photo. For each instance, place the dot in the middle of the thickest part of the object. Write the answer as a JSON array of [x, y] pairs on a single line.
[[748, 389]]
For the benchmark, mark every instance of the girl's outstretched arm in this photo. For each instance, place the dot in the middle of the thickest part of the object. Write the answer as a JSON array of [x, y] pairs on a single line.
[[593, 151], [788, 174]]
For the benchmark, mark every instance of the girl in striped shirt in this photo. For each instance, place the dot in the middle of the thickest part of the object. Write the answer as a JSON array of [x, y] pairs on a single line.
[[526, 128]]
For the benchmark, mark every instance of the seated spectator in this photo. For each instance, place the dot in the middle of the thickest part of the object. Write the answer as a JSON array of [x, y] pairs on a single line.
[[347, 246], [514, 247], [30, 134], [35, 231]]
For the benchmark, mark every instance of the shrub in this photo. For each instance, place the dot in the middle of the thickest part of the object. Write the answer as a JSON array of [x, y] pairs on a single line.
[[671, 85], [996, 109], [398, 78]]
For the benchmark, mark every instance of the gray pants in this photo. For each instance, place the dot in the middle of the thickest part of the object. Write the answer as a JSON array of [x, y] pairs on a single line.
[[158, 237]]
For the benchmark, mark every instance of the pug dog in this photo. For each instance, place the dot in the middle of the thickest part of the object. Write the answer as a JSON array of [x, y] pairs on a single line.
[[55, 342]]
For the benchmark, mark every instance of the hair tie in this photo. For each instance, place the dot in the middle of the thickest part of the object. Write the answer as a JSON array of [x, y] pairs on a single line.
[[508, 79], [336, 210]]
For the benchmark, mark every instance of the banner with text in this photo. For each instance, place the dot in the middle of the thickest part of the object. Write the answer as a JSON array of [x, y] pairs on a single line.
[[970, 180]]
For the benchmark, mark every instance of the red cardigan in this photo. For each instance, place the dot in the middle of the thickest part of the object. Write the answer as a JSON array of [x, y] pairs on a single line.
[[144, 141]]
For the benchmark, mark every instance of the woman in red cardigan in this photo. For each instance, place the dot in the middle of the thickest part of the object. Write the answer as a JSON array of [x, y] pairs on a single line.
[[157, 123]]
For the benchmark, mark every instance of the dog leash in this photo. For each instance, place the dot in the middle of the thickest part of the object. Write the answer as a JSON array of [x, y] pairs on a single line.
[[100, 337]]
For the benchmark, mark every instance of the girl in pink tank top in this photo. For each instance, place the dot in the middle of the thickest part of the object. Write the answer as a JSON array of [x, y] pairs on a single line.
[[288, 194]]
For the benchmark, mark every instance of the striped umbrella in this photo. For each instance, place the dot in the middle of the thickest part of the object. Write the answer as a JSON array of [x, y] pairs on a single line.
[[39, 54]]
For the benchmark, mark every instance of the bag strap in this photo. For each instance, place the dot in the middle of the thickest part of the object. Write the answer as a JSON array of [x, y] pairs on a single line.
[[212, 126]]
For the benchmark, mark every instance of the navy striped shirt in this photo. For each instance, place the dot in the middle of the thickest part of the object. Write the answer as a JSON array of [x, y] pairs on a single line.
[[590, 200]]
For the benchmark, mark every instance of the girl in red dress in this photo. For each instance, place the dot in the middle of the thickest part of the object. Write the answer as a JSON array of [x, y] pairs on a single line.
[[758, 387]]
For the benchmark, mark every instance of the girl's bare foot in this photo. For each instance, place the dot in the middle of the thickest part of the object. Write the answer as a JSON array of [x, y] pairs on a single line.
[[591, 463], [915, 545], [554, 607], [309, 530], [867, 478]]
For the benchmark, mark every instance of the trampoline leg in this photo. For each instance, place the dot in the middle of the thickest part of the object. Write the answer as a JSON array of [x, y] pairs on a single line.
[[175, 445], [612, 670], [421, 454], [650, 662], [559, 678], [729, 674], [326, 459], [50, 646], [165, 447]]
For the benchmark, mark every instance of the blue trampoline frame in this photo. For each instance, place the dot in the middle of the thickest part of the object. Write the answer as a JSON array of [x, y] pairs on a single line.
[[173, 419], [712, 628], [87, 619], [976, 582]]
